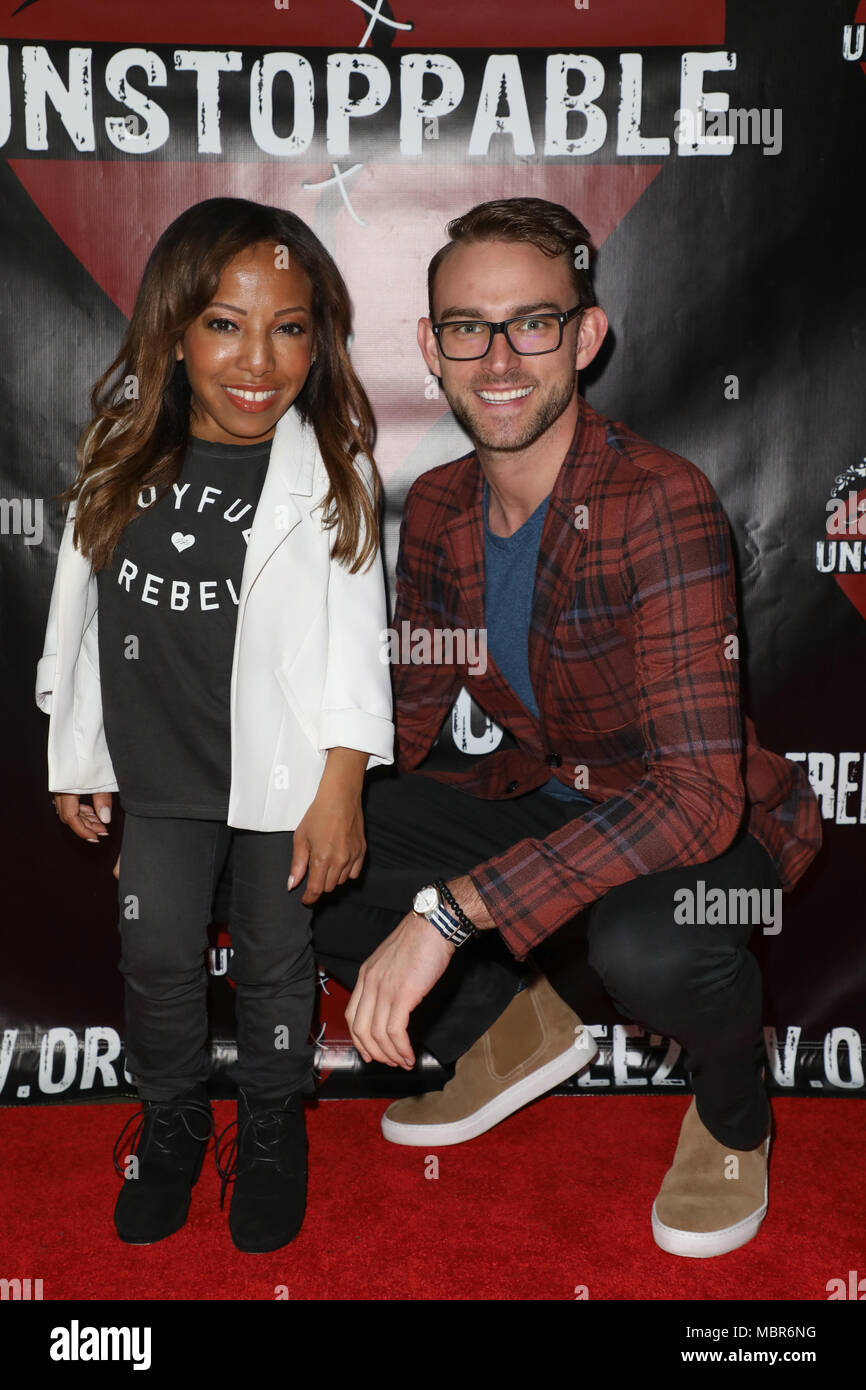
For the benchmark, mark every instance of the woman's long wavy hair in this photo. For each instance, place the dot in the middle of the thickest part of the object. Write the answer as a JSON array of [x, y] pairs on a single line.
[[141, 404]]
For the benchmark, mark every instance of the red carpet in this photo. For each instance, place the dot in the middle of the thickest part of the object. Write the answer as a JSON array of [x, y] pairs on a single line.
[[557, 1197]]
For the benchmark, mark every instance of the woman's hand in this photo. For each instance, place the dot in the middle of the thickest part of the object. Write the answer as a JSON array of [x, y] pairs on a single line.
[[87, 822], [329, 844]]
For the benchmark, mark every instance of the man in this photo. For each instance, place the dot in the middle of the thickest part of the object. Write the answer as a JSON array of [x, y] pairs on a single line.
[[599, 569]]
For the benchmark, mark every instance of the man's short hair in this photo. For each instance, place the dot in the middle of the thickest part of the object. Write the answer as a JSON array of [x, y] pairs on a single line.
[[548, 226]]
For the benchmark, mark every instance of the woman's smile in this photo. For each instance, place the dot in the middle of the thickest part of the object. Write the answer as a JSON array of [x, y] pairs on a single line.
[[250, 398]]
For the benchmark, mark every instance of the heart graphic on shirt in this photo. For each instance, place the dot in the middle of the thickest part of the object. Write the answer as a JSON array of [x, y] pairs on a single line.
[[182, 542]]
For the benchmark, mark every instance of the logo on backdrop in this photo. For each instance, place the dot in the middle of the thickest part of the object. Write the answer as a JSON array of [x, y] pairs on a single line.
[[57, 1060], [69, 110], [840, 551], [839, 782]]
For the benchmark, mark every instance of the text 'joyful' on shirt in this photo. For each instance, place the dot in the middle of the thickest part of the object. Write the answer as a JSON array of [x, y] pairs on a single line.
[[167, 618]]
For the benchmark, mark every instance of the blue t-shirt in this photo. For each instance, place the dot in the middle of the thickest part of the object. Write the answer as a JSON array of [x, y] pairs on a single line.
[[509, 586]]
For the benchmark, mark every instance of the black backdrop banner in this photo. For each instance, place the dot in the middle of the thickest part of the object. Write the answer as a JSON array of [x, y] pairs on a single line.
[[715, 157]]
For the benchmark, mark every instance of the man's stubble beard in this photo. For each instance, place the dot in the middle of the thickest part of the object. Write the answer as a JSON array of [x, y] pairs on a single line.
[[548, 413]]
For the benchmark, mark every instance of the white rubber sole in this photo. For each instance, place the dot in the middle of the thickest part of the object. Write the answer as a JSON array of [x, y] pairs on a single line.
[[702, 1245], [537, 1083]]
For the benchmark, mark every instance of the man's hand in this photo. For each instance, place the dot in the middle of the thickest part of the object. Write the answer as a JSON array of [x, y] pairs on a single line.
[[391, 983]]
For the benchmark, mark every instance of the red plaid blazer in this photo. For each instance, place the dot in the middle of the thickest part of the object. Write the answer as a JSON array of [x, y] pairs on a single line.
[[631, 665]]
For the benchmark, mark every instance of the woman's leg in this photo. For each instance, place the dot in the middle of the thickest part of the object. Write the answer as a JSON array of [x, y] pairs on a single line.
[[168, 871], [272, 967], [274, 975]]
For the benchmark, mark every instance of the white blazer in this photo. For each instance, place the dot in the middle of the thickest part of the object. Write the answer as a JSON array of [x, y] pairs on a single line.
[[307, 672]]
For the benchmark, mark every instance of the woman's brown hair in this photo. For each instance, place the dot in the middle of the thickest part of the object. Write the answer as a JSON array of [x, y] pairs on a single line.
[[141, 403]]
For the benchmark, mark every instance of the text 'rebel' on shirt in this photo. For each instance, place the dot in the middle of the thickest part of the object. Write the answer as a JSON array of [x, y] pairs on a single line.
[[168, 609]]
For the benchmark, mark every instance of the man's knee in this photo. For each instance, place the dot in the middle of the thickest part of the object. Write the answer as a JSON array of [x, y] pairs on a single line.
[[672, 971], [641, 966]]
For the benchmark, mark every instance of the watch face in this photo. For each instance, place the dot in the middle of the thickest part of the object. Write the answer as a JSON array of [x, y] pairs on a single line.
[[425, 900]]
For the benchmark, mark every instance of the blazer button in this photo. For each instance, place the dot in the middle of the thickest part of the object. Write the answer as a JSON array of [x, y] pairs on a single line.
[[512, 786], [554, 760]]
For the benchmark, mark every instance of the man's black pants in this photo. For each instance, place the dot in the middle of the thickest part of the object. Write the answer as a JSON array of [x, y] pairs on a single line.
[[696, 983]]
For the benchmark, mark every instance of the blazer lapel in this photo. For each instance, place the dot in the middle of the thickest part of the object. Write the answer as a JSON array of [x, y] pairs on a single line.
[[562, 543], [463, 546], [559, 553], [291, 469]]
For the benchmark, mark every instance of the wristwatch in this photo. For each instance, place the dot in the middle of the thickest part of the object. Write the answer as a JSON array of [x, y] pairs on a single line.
[[441, 909]]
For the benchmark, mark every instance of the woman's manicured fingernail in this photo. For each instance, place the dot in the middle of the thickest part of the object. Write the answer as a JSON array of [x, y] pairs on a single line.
[[291, 880], [104, 814]]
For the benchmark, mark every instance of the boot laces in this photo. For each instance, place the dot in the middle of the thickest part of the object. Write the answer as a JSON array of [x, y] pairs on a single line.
[[264, 1129], [160, 1119]]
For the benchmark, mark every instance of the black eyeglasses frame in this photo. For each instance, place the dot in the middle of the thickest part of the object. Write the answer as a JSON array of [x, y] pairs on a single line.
[[502, 327]]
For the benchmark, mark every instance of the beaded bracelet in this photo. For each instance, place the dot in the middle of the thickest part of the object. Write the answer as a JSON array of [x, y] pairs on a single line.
[[465, 921]]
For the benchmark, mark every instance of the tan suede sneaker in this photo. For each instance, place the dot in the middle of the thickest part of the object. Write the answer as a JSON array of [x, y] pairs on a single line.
[[713, 1198], [534, 1045]]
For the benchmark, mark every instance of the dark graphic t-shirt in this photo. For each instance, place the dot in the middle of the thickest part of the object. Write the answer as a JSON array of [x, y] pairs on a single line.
[[167, 617]]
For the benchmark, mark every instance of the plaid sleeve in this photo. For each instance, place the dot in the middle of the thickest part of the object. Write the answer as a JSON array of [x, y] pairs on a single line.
[[423, 693], [689, 804]]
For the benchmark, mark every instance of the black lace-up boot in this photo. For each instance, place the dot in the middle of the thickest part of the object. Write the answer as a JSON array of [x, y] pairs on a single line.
[[267, 1162], [163, 1167]]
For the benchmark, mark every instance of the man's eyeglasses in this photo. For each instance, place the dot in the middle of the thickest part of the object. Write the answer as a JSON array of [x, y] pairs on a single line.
[[530, 335]]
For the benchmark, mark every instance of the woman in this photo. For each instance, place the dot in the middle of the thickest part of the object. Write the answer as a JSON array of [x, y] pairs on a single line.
[[213, 655]]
